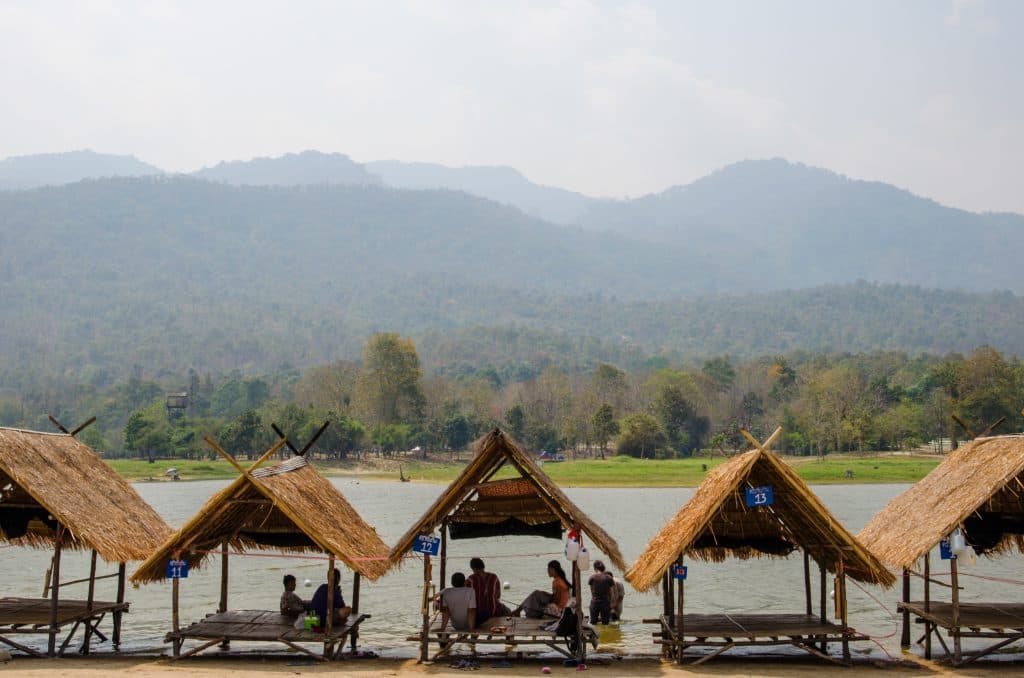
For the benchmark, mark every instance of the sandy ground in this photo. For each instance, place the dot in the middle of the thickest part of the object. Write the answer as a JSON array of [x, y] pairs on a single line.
[[380, 668]]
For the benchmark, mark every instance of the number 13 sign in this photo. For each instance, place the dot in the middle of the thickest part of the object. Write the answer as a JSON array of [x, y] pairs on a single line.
[[760, 496]]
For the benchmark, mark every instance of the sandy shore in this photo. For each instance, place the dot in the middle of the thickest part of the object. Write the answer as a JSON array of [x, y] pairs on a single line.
[[381, 668]]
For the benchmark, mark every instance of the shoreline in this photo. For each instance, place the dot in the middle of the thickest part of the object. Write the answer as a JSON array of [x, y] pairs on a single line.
[[276, 665]]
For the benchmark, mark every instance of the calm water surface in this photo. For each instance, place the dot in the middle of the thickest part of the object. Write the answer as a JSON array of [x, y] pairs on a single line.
[[631, 516]]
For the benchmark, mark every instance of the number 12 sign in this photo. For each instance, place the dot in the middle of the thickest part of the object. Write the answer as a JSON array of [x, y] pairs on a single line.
[[760, 496]]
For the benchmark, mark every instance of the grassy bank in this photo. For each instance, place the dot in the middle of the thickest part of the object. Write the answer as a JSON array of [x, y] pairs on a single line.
[[612, 472]]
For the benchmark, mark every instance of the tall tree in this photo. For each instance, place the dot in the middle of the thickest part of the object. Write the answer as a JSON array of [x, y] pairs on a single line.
[[389, 383]]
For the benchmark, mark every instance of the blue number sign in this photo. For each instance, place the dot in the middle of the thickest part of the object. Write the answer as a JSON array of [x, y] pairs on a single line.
[[760, 496], [177, 569], [679, 571], [427, 544], [945, 550]]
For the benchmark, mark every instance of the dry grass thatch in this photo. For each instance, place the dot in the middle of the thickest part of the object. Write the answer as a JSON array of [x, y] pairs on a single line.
[[716, 523], [288, 507], [50, 474], [980, 488], [546, 501]]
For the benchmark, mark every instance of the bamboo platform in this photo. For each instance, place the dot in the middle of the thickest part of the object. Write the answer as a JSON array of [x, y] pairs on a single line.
[[722, 632], [1001, 622], [262, 626], [511, 633], [32, 616]]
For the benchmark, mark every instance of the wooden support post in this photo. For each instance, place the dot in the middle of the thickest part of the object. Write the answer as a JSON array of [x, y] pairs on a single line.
[[88, 602], [329, 621], [680, 615], [118, 614], [354, 635], [581, 651], [426, 603], [927, 605], [841, 596], [905, 635], [442, 582], [666, 609], [823, 581], [223, 607], [957, 655], [175, 622], [807, 583], [55, 591]]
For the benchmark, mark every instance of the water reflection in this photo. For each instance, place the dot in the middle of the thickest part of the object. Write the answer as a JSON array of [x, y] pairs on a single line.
[[632, 516]]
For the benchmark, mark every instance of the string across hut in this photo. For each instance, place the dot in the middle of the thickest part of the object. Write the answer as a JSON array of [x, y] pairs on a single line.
[[750, 506], [974, 497], [476, 505], [57, 493], [289, 507]]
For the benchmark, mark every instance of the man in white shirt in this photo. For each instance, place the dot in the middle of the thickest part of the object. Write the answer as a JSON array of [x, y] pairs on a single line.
[[458, 605]]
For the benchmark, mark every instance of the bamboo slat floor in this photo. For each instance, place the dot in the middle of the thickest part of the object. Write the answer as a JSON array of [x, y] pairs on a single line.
[[260, 625], [32, 616], [723, 632], [510, 633], [1001, 622]]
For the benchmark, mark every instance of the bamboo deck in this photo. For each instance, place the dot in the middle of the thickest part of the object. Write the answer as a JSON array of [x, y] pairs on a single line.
[[510, 633], [723, 632], [32, 616], [264, 626], [1000, 622]]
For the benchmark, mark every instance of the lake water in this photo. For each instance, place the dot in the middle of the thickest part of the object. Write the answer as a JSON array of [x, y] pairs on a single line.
[[631, 516]]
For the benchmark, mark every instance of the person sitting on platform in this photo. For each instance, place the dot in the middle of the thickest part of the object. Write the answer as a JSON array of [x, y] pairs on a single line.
[[488, 592], [541, 603], [458, 604], [291, 604], [318, 603], [601, 586]]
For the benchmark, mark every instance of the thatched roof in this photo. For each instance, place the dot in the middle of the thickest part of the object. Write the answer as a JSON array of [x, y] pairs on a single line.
[[716, 523], [528, 504], [288, 507], [979, 487], [53, 474]]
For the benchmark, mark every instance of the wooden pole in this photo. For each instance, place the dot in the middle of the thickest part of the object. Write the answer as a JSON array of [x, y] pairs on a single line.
[[425, 631], [55, 591], [680, 615], [88, 601], [223, 607], [927, 605], [120, 599], [841, 596], [807, 583], [175, 624], [666, 609], [442, 582], [329, 621], [905, 635], [581, 647], [823, 582], [957, 656], [355, 609]]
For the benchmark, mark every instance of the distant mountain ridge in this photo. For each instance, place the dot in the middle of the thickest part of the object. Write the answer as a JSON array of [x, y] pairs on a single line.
[[500, 184], [292, 169], [47, 169]]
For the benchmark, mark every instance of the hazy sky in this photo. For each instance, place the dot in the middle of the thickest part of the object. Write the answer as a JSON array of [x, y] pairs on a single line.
[[606, 98]]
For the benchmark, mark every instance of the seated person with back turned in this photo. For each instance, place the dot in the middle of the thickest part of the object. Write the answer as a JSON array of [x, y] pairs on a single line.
[[291, 604], [318, 603], [458, 604], [488, 592]]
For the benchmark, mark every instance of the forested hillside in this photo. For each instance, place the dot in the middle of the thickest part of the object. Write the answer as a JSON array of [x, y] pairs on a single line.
[[50, 169]]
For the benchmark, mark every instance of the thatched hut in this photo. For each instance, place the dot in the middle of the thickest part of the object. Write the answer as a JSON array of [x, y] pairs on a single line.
[[289, 507], [978, 490], [56, 493], [754, 505], [476, 506]]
